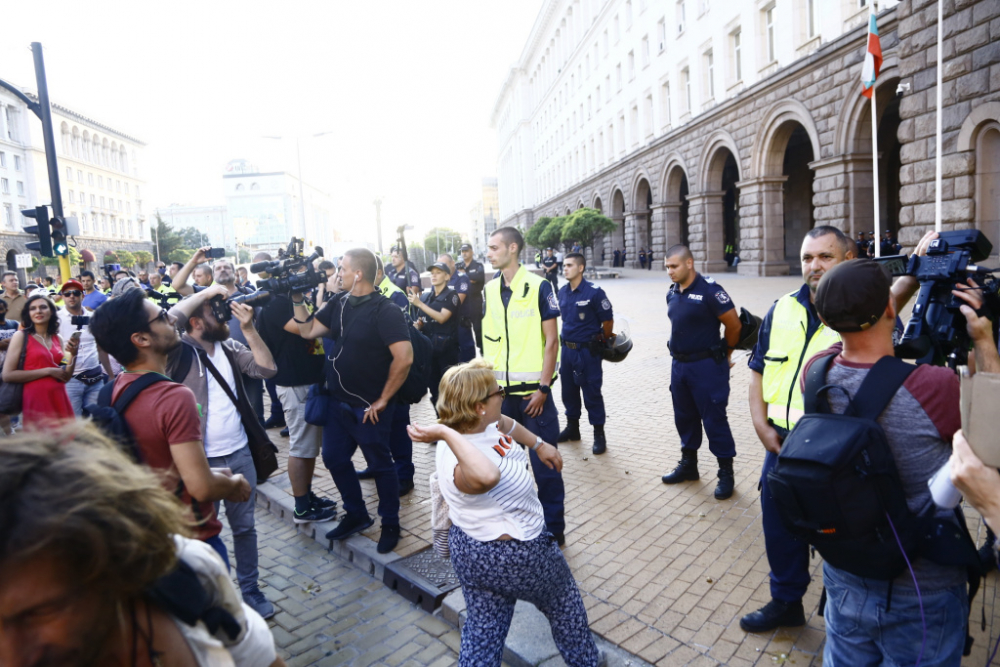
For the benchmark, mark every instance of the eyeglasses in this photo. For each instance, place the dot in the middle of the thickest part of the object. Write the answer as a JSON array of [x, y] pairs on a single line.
[[164, 315], [499, 392], [72, 292]]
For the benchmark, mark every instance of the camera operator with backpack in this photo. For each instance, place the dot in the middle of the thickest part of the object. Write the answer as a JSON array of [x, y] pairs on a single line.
[[875, 430]]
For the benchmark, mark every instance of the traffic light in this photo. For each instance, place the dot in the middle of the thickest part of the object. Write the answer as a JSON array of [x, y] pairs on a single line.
[[57, 228], [41, 229]]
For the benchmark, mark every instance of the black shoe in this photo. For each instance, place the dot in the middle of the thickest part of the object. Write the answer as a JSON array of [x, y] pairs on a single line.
[[600, 442], [724, 489], [366, 474], [775, 614], [571, 432], [321, 503], [274, 422], [686, 470], [405, 486], [350, 525], [388, 540], [987, 558], [314, 514], [560, 538], [283, 432]]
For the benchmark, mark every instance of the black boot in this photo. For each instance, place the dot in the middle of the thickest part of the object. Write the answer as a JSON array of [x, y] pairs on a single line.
[[571, 432], [600, 443], [724, 488], [775, 614], [686, 470]]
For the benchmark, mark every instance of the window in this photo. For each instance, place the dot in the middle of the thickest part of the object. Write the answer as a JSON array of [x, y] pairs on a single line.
[[604, 42], [618, 75], [597, 98], [90, 179], [11, 116], [119, 204], [661, 34], [82, 199], [20, 188], [102, 202], [648, 120], [128, 207], [118, 186], [769, 33], [254, 186], [810, 18], [710, 74], [645, 51], [702, 8], [681, 16], [71, 196], [607, 88], [69, 174], [79, 176], [126, 188], [738, 55], [628, 14], [634, 124], [239, 187], [4, 186], [3, 159], [631, 65], [617, 29], [8, 216], [100, 181], [665, 103], [17, 163], [93, 201], [686, 82]]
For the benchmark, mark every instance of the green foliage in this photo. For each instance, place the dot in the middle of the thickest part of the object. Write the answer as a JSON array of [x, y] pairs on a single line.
[[449, 240], [192, 237], [110, 258], [125, 258], [181, 255], [546, 232], [167, 239], [585, 225], [143, 257], [244, 257]]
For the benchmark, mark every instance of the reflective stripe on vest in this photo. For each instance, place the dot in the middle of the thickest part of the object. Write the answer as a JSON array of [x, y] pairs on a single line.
[[520, 322], [387, 287], [787, 353]]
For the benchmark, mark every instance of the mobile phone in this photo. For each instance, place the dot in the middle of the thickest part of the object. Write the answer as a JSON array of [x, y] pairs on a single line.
[[76, 335], [215, 253]]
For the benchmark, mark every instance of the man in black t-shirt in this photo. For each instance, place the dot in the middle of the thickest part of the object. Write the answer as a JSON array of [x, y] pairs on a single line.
[[371, 356], [300, 365]]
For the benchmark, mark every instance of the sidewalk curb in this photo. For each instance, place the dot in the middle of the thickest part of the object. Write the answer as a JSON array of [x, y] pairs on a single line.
[[529, 642]]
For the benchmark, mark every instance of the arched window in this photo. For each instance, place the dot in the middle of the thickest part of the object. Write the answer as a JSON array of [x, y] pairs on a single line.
[[96, 144], [86, 146], [239, 187], [254, 186], [123, 159], [76, 141], [987, 179], [114, 155], [64, 129]]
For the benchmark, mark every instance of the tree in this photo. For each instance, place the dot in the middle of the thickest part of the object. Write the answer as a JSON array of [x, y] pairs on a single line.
[[585, 225], [166, 238], [143, 257], [192, 237], [110, 258], [442, 239], [181, 255], [545, 233], [244, 256], [125, 258], [74, 258]]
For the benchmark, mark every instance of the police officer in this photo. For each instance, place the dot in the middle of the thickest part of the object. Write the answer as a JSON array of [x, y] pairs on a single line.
[[862, 244], [642, 258], [402, 274], [587, 323], [699, 374], [439, 322], [521, 340], [471, 337], [551, 265]]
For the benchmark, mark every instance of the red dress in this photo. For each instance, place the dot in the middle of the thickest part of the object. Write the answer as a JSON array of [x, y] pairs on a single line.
[[44, 398]]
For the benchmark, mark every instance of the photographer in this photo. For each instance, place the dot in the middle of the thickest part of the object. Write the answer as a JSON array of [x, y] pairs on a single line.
[[863, 627], [212, 365], [371, 360], [93, 368]]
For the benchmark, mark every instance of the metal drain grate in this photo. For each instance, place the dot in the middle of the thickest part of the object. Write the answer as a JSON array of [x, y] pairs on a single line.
[[423, 578]]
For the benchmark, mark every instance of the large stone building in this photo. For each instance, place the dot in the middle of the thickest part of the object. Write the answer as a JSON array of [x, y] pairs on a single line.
[[740, 123], [483, 217], [99, 176]]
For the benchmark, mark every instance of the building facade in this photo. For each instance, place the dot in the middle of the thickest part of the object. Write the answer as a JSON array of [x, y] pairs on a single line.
[[212, 221], [484, 216], [98, 173], [738, 126]]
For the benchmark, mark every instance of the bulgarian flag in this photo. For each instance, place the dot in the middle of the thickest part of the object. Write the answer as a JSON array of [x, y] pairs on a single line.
[[873, 59]]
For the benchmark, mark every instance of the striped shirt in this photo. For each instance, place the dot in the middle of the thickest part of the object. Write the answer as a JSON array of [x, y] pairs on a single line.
[[511, 507]]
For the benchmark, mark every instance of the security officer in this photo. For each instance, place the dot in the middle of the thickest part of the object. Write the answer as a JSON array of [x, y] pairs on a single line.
[[699, 374], [551, 265], [472, 307], [438, 308], [588, 322], [521, 340], [862, 244], [402, 274]]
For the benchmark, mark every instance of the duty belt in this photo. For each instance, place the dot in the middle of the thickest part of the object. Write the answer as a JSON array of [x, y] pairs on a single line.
[[577, 346]]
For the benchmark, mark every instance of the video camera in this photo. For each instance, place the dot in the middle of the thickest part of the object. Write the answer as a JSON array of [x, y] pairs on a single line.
[[110, 270], [220, 305], [284, 271], [936, 333]]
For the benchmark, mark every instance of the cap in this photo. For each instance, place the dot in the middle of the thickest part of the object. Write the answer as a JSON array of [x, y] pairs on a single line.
[[441, 266], [71, 284], [852, 296], [465, 246]]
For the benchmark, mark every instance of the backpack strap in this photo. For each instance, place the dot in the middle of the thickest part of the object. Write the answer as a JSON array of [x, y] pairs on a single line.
[[815, 384], [133, 390], [879, 386], [184, 362]]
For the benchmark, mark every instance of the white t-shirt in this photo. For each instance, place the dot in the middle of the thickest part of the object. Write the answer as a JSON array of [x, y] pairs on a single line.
[[86, 356], [224, 432], [511, 507]]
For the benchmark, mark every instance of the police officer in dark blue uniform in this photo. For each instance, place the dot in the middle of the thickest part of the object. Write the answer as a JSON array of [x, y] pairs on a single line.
[[439, 322], [699, 374], [588, 322], [551, 265], [472, 307]]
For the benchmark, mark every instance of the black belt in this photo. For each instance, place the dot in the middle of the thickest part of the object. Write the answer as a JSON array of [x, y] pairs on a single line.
[[577, 346], [694, 356]]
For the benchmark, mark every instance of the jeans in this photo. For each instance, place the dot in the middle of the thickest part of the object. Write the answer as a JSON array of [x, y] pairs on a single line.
[[860, 631], [81, 394], [240, 517], [400, 443], [220, 548], [551, 491], [343, 434]]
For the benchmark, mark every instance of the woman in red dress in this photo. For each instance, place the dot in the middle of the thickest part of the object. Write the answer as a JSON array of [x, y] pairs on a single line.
[[44, 374]]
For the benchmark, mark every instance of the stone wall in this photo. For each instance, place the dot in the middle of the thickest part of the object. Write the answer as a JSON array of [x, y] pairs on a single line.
[[15, 241]]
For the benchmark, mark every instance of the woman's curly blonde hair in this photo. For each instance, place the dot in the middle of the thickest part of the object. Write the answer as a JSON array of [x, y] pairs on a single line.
[[461, 388], [71, 493]]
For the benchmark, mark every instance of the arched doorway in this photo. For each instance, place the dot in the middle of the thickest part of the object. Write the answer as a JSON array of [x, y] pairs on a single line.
[[682, 194], [988, 183], [889, 163], [642, 221], [719, 202], [797, 191], [731, 209], [618, 216]]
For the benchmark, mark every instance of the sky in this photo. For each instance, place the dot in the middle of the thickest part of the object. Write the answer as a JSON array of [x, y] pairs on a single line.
[[405, 89]]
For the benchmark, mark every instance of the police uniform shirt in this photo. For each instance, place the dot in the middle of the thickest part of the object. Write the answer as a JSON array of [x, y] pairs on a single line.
[[583, 310], [694, 315], [446, 300], [551, 265], [548, 304], [403, 279], [476, 275], [460, 284]]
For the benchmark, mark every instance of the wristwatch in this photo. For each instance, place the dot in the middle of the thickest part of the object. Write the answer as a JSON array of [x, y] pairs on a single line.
[[538, 443], [545, 389]]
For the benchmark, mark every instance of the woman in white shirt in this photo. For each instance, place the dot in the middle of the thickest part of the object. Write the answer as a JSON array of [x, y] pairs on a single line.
[[500, 548]]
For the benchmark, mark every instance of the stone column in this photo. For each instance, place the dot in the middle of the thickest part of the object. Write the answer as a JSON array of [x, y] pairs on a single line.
[[630, 236], [671, 225], [659, 243], [842, 193], [762, 227], [710, 235]]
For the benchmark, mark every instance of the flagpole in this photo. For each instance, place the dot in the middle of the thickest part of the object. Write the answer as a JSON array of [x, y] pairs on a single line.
[[877, 241], [937, 155]]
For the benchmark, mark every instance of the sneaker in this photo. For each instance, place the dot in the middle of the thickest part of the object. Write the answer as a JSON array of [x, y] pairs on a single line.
[[388, 540], [350, 525], [259, 603], [283, 432], [775, 614], [274, 422], [314, 513], [321, 503]]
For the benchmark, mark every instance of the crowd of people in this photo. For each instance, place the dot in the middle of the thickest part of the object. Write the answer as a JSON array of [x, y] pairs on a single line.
[[183, 364]]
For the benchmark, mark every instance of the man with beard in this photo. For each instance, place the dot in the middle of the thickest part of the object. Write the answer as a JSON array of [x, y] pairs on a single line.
[[164, 417], [212, 364]]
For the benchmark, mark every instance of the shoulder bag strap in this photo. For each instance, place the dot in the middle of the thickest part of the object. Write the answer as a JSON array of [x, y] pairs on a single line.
[[24, 350], [816, 384], [879, 386], [218, 376]]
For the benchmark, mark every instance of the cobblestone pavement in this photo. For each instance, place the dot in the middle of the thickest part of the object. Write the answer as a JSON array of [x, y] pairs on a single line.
[[666, 571]]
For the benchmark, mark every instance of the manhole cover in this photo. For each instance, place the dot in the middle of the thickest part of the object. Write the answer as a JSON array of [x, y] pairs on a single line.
[[423, 578]]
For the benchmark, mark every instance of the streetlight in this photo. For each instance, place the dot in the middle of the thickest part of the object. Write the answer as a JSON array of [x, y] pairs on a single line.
[[298, 158]]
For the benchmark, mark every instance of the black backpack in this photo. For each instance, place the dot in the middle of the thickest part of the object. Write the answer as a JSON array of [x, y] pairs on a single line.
[[835, 483], [109, 417], [415, 386]]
